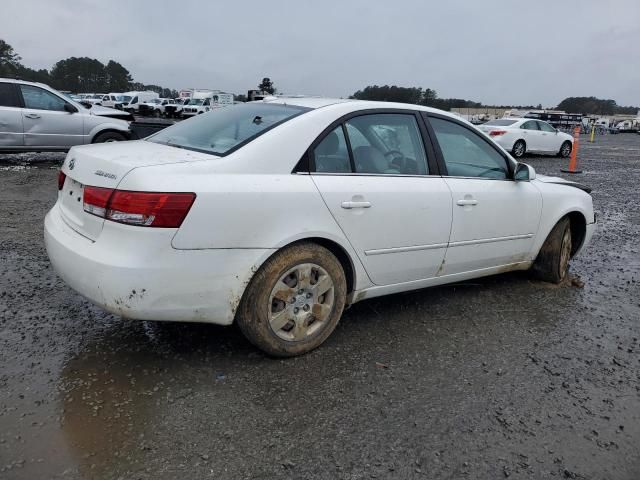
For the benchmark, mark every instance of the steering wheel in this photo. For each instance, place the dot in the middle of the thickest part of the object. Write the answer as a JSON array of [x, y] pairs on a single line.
[[400, 160]]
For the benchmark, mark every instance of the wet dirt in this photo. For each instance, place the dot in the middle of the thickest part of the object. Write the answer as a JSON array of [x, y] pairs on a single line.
[[492, 378]]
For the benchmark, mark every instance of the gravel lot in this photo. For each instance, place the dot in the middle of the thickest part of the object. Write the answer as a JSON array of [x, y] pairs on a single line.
[[498, 377]]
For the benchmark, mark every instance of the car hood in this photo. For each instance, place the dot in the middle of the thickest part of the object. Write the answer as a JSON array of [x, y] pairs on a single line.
[[562, 181], [100, 111]]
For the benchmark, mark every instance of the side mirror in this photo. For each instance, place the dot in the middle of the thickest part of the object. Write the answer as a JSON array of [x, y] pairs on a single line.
[[524, 173], [70, 108]]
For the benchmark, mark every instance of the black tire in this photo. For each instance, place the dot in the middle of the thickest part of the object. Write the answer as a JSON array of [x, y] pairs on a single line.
[[256, 309], [565, 149], [519, 149], [552, 263], [109, 137]]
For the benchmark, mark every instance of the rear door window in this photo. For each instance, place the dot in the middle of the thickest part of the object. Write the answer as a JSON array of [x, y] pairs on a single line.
[[331, 154], [387, 143], [9, 95], [530, 125]]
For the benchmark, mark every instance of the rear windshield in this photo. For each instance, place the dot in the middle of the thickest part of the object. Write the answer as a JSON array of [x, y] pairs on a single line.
[[225, 129], [500, 123]]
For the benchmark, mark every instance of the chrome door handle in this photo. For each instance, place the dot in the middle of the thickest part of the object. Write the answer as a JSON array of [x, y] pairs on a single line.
[[462, 203], [32, 115], [349, 205]]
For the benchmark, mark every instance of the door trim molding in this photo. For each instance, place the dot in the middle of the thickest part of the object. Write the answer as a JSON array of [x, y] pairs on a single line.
[[490, 240], [413, 248]]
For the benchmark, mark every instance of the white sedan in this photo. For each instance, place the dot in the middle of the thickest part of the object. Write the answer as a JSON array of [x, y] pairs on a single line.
[[278, 214], [522, 135]]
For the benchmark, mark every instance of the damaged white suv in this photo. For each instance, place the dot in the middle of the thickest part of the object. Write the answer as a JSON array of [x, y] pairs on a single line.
[[277, 214], [36, 117]]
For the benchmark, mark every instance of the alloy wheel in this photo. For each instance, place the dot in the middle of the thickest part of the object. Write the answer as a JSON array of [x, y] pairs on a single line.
[[565, 253]]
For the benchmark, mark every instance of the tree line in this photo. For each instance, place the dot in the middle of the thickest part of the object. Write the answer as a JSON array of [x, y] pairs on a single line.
[[595, 106], [429, 98], [77, 74], [415, 95]]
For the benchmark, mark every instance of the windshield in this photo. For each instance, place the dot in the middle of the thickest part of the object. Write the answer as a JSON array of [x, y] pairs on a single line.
[[224, 129], [195, 101], [124, 98], [500, 123]]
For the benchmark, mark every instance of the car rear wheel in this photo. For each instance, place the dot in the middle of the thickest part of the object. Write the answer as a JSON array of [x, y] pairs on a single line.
[[552, 263], [294, 301], [109, 137], [519, 149], [565, 149]]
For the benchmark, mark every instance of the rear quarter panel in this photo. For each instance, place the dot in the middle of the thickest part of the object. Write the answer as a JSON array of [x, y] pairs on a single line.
[[241, 211]]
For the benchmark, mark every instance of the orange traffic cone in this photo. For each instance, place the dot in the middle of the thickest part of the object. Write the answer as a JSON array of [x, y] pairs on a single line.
[[573, 163]]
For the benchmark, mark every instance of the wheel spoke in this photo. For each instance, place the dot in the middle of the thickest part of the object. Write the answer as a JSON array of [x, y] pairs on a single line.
[[299, 331], [280, 319], [282, 291], [304, 276], [323, 285], [321, 311]]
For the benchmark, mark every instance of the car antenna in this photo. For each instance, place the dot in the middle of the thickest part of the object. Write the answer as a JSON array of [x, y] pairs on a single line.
[[257, 120]]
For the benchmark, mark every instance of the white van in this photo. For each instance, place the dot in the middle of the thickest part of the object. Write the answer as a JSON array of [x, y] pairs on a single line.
[[136, 98]]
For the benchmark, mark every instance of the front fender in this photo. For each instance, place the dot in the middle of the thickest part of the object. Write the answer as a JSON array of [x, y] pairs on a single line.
[[103, 127], [558, 201]]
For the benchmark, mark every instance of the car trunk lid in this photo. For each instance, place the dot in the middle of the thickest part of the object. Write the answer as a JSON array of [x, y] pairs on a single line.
[[104, 165]]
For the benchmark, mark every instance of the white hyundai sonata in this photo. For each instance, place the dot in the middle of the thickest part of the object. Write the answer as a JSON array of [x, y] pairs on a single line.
[[277, 214], [522, 135]]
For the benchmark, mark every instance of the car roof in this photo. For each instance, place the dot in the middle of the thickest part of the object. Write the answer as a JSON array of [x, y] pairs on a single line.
[[26, 82], [321, 102]]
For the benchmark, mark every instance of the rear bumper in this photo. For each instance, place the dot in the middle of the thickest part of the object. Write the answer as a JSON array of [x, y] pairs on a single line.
[[135, 273]]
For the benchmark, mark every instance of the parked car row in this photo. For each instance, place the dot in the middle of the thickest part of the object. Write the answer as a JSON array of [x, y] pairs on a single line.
[[149, 103]]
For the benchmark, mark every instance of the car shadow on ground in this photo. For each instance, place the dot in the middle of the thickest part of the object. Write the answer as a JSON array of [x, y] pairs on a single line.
[[379, 317]]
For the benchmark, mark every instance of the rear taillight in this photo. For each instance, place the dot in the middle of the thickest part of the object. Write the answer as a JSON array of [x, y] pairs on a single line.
[[61, 178], [145, 209], [497, 133], [95, 200]]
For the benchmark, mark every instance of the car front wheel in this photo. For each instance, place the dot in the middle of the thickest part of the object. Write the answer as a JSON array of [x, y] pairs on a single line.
[[552, 263], [294, 301], [109, 137]]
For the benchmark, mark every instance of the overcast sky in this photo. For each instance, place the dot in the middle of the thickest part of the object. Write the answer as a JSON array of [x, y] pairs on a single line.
[[493, 51]]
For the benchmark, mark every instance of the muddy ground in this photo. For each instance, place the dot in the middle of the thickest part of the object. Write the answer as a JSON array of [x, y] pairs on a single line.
[[493, 378]]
